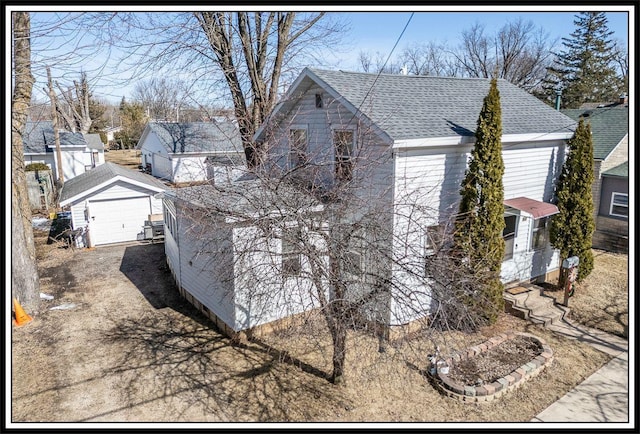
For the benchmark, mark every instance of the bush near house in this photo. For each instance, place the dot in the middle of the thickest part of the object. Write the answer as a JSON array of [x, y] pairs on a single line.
[[33, 167]]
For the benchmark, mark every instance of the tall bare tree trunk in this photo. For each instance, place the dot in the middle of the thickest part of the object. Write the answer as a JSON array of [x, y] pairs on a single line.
[[25, 285], [56, 132]]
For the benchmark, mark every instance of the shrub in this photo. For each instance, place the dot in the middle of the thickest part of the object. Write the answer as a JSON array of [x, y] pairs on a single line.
[[32, 167]]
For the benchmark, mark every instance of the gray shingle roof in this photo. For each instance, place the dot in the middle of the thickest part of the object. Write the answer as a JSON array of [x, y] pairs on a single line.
[[39, 138], [94, 141], [621, 171], [413, 107], [609, 125], [246, 197], [101, 174], [198, 136]]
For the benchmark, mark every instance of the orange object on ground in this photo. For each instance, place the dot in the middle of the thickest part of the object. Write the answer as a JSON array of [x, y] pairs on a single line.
[[21, 316]]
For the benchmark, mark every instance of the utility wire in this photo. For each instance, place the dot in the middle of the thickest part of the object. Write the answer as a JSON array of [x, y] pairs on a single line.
[[385, 64]]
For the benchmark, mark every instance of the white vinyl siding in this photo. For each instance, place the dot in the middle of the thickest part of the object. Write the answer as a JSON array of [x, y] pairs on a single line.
[[206, 263], [106, 211]]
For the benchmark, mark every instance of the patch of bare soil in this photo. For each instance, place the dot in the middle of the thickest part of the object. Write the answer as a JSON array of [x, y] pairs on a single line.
[[497, 362], [129, 158], [129, 348]]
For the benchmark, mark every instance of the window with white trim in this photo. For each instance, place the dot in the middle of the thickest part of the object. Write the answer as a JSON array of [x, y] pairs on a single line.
[[509, 235], [353, 259], [343, 143], [297, 147], [540, 235], [619, 205], [432, 239], [291, 264]]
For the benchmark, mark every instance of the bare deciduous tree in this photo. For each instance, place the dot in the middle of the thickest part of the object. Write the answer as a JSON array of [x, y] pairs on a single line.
[[24, 274], [162, 97], [309, 237], [518, 51]]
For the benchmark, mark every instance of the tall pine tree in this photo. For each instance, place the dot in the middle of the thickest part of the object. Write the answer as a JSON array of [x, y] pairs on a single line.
[[572, 229], [478, 238], [585, 70]]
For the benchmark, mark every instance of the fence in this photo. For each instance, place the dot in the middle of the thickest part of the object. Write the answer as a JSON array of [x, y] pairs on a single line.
[[40, 188]]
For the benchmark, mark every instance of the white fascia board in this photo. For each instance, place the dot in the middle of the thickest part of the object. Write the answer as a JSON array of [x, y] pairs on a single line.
[[203, 154], [108, 182], [466, 140], [252, 217]]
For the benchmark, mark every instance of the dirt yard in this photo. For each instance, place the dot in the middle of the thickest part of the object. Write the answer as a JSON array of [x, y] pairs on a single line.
[[123, 346], [129, 158]]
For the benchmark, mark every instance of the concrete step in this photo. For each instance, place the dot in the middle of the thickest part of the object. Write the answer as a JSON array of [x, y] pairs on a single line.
[[531, 305]]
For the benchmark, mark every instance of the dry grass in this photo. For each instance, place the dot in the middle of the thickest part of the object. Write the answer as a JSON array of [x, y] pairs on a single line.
[[129, 158], [602, 299], [135, 351]]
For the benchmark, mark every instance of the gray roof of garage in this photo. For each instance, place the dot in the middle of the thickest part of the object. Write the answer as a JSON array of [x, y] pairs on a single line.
[[101, 174]]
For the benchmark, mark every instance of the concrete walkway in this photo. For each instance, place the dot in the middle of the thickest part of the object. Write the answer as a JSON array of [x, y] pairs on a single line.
[[602, 397]]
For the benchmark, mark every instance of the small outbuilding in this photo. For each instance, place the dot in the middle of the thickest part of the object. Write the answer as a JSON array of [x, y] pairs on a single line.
[[111, 204], [190, 152]]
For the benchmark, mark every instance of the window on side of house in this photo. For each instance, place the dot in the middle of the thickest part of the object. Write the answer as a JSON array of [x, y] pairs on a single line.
[[343, 143], [540, 235], [353, 259], [297, 147], [619, 205], [291, 264], [509, 235], [318, 100], [432, 239]]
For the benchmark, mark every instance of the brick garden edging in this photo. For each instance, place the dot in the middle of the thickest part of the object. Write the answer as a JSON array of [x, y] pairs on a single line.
[[491, 391]]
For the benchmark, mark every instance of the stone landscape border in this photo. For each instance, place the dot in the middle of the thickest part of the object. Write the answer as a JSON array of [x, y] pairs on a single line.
[[491, 391]]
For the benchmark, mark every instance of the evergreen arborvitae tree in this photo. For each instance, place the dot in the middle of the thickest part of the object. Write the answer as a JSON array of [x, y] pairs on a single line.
[[585, 70], [572, 229], [478, 238]]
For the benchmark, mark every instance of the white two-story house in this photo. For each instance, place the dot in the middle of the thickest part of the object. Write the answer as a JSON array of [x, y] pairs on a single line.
[[401, 144]]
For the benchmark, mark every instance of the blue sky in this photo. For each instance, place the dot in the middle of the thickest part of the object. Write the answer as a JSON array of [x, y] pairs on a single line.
[[375, 32], [378, 31]]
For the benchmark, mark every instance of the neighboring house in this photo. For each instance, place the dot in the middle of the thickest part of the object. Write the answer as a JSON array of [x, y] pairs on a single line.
[[399, 139], [612, 222], [610, 133], [79, 152], [192, 152], [111, 204]]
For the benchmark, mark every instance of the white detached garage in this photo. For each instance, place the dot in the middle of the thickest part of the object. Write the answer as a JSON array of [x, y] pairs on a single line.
[[110, 204]]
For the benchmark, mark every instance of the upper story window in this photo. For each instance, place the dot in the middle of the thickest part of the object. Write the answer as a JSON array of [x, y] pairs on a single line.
[[297, 147], [619, 205], [343, 143], [509, 235], [318, 100]]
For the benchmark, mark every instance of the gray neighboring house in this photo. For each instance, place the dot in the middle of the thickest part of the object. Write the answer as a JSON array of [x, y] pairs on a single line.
[[192, 152], [111, 204], [79, 152], [610, 133]]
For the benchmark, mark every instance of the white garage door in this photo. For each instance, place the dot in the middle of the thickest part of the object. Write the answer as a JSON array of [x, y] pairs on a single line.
[[114, 221]]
